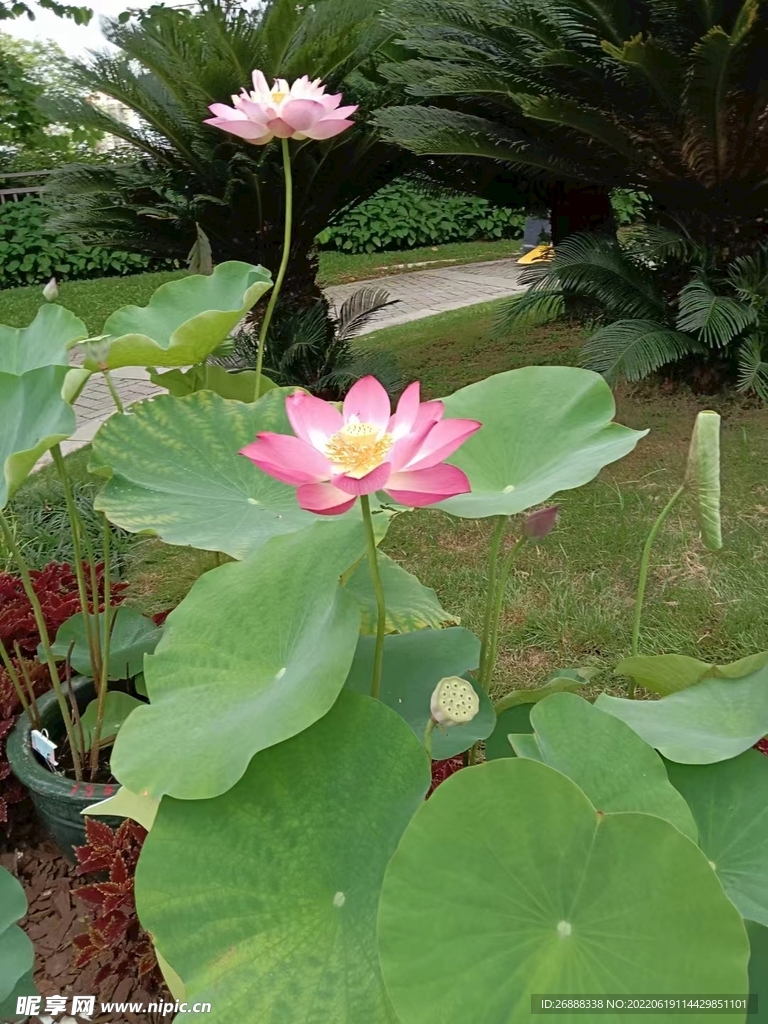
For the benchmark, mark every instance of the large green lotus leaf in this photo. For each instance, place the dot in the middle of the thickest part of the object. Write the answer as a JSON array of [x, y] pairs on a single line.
[[25, 986], [668, 673], [43, 343], [545, 429], [256, 652], [132, 635], [414, 663], [555, 898], [185, 319], [264, 899], [758, 970], [409, 604], [711, 721], [204, 377], [176, 473], [514, 721], [17, 955], [33, 418], [607, 760], [729, 801]]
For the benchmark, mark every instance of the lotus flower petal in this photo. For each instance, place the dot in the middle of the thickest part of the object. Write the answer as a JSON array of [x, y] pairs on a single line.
[[324, 499], [287, 458], [427, 486]]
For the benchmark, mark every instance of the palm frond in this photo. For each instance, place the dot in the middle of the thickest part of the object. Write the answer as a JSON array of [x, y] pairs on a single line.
[[531, 309], [748, 276], [715, 319], [635, 348], [753, 369], [362, 362], [359, 309]]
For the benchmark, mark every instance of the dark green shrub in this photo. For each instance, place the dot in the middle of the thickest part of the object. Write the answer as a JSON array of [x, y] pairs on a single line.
[[32, 253], [628, 206], [405, 215]]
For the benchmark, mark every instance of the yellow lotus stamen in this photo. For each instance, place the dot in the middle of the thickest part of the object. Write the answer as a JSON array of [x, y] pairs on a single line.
[[278, 97], [358, 448]]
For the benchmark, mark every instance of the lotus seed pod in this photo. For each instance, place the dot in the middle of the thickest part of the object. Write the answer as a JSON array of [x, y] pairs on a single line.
[[454, 701], [702, 476], [51, 291]]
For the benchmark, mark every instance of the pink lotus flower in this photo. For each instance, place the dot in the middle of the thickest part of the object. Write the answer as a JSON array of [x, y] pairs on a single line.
[[337, 456], [298, 111]]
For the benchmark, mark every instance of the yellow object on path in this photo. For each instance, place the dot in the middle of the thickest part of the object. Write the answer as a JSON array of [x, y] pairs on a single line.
[[537, 255]]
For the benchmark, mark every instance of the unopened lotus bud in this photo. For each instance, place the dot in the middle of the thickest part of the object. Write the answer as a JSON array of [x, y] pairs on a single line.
[[97, 350], [540, 523], [702, 476], [51, 291], [454, 702]]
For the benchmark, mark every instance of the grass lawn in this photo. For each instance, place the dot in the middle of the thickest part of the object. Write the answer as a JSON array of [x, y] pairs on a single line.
[[93, 301], [569, 601]]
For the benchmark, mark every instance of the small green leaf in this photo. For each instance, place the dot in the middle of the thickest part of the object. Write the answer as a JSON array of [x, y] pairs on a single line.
[[298, 850], [568, 679], [132, 635], [555, 898], [409, 604], [414, 663], [668, 673], [117, 707], [729, 801], [545, 429], [703, 477], [185, 319], [711, 721], [126, 804], [244, 664]]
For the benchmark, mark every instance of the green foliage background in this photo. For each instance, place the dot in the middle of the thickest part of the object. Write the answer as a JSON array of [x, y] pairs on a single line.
[[31, 252]]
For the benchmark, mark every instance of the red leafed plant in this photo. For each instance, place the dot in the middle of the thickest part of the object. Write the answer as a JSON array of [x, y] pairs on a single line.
[[56, 587], [114, 937]]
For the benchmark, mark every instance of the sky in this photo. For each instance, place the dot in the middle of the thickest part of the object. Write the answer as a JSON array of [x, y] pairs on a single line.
[[74, 39]]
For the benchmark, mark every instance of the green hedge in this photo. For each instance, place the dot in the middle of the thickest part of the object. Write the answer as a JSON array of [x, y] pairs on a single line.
[[31, 253], [404, 215]]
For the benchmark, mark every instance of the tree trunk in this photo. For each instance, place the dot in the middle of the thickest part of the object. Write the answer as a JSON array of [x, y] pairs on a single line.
[[577, 207]]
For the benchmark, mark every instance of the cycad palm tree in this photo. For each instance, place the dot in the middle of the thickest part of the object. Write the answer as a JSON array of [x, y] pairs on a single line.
[[170, 66], [666, 96]]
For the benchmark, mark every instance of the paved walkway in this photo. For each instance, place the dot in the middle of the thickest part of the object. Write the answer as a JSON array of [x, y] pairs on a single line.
[[419, 294]]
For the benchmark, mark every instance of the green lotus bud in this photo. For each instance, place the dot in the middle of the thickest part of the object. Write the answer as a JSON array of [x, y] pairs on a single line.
[[51, 291], [702, 476], [541, 522], [454, 702]]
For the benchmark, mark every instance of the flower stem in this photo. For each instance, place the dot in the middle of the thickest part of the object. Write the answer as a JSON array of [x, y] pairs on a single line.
[[283, 264], [643, 576], [493, 557], [113, 391], [78, 530], [42, 629], [16, 683], [507, 564], [381, 612], [102, 682]]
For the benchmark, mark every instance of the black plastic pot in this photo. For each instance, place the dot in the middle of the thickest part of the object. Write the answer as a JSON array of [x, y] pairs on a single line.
[[58, 801]]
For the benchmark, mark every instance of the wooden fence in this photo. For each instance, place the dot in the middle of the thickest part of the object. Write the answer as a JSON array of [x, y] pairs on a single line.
[[20, 184]]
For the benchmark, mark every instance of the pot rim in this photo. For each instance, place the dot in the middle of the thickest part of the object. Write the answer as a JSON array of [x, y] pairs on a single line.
[[27, 768]]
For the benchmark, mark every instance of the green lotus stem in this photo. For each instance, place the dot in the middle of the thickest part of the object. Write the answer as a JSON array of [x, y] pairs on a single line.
[[643, 576], [496, 616], [381, 611], [35, 714], [283, 265], [78, 531], [102, 694], [428, 736], [113, 391], [29, 590], [490, 599]]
